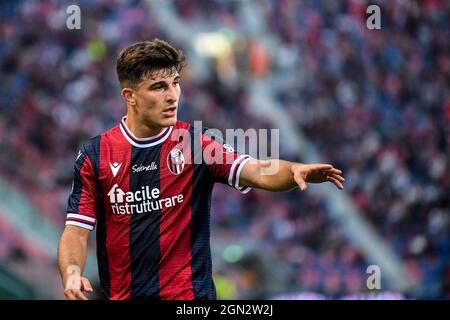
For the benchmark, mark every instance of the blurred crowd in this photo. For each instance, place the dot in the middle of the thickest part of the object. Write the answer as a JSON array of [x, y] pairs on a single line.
[[376, 103]]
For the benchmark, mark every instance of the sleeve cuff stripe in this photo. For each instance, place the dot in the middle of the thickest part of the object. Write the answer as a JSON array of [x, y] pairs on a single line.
[[81, 221], [231, 176], [81, 217], [79, 224], [245, 190], [238, 174]]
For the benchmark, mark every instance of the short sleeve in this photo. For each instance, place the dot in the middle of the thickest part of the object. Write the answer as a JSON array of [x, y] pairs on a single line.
[[223, 162], [82, 203]]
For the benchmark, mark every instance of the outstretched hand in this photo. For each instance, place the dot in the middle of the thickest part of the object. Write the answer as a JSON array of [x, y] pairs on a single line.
[[316, 173]]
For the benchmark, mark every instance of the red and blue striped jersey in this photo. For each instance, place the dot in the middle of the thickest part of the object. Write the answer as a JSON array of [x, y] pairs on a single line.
[[150, 200]]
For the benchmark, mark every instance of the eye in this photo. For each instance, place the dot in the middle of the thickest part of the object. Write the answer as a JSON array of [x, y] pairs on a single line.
[[157, 87]]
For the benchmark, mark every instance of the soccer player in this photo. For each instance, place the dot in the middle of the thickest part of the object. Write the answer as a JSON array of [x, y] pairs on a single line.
[[146, 185]]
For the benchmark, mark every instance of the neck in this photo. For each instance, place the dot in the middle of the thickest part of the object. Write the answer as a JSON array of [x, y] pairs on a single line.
[[139, 129]]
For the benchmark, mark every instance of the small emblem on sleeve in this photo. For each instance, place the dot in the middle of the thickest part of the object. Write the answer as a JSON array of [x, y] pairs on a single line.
[[229, 148], [79, 155]]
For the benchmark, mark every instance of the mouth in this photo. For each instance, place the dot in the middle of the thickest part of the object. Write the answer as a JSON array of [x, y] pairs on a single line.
[[169, 112]]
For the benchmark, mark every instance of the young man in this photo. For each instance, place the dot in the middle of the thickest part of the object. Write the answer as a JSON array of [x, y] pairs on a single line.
[[140, 184]]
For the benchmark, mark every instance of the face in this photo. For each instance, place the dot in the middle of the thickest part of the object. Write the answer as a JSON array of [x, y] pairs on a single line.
[[157, 99]]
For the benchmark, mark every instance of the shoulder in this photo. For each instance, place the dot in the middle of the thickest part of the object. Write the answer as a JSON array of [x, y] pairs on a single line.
[[197, 132], [193, 128], [91, 146], [91, 143], [183, 125]]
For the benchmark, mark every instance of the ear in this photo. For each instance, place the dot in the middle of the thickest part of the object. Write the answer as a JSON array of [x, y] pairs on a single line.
[[129, 96]]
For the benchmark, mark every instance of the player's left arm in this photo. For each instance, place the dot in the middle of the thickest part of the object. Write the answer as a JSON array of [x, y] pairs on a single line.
[[280, 175]]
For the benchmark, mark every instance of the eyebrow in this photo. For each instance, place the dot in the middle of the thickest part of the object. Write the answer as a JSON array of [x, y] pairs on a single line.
[[162, 82]]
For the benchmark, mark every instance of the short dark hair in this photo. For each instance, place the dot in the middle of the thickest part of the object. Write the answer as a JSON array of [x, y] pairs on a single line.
[[138, 61]]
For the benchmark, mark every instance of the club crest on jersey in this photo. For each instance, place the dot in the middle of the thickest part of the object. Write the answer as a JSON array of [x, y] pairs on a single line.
[[175, 161]]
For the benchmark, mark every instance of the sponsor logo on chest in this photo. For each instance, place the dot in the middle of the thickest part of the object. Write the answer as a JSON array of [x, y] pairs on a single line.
[[139, 168]]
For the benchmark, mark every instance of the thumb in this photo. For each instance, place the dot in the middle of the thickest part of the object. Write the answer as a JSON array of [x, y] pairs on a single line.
[[300, 182], [86, 284]]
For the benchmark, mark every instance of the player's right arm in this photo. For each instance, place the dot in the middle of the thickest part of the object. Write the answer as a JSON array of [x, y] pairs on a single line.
[[81, 219], [72, 251]]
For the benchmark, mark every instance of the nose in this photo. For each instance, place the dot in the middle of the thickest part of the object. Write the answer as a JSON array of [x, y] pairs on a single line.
[[171, 95]]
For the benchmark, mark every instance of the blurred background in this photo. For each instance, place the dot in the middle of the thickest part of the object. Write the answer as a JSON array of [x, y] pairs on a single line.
[[374, 103]]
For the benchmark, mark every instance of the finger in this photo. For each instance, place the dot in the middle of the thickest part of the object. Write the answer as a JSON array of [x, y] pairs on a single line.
[[300, 182], [336, 182], [338, 177], [79, 295], [68, 295], [321, 166], [86, 285], [334, 171]]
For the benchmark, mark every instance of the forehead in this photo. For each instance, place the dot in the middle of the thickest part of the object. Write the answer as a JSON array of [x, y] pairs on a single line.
[[160, 75]]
